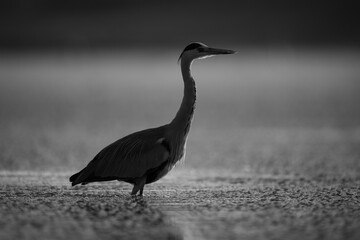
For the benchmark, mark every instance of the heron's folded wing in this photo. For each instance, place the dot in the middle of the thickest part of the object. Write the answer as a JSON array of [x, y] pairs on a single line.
[[130, 157]]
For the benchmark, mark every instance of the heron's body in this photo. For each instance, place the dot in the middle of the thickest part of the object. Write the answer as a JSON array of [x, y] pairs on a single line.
[[146, 156]]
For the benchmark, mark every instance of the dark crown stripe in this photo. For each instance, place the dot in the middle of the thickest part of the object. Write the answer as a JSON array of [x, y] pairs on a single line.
[[191, 46]]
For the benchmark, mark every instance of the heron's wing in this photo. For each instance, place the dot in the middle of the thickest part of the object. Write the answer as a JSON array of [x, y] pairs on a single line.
[[132, 156]]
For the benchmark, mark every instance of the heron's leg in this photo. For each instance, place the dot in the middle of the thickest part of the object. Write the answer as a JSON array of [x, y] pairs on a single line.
[[139, 185], [135, 189], [142, 189]]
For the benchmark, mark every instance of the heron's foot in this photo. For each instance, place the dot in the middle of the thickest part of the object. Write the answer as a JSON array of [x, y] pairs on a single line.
[[136, 195], [137, 201], [137, 198]]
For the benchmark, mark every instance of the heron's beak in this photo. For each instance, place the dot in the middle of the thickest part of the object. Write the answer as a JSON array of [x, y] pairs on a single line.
[[217, 51]]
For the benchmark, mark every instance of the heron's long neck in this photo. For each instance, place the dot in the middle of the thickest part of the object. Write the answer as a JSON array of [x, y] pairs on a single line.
[[184, 116]]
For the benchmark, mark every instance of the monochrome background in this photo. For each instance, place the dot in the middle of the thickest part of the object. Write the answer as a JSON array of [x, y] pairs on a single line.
[[77, 75]]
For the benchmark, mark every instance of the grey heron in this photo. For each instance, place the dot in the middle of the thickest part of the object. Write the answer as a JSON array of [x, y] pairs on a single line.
[[146, 156]]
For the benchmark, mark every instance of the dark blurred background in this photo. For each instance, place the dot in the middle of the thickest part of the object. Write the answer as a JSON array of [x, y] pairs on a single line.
[[65, 24], [77, 75]]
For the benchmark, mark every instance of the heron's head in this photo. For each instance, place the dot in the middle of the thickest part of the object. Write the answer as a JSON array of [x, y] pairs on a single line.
[[197, 50]]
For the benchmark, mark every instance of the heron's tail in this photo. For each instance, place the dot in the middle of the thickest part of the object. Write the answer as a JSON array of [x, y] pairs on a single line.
[[84, 176], [73, 178]]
